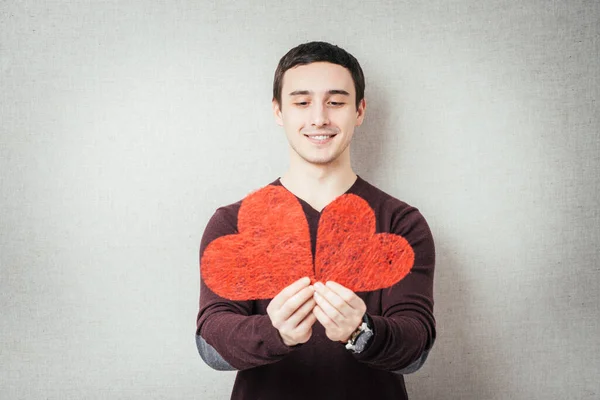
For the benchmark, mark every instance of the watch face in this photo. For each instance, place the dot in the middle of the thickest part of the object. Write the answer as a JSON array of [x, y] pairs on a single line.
[[362, 340]]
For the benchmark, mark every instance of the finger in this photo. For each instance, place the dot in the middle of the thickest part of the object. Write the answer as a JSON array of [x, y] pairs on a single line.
[[332, 313], [296, 318], [295, 302], [308, 322], [323, 318], [346, 294], [333, 299], [288, 292], [303, 332]]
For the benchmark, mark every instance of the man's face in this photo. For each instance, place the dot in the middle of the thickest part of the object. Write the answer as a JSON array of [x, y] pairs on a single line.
[[318, 111]]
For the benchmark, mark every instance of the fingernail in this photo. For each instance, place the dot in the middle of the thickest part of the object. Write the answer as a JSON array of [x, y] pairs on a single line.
[[319, 285]]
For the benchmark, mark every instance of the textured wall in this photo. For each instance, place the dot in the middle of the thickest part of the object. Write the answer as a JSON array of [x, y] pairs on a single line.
[[125, 124]]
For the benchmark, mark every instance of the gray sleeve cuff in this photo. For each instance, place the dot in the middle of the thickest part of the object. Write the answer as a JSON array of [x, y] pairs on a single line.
[[211, 357], [415, 366]]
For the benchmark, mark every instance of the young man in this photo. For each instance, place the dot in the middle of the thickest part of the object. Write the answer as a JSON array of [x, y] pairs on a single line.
[[321, 340]]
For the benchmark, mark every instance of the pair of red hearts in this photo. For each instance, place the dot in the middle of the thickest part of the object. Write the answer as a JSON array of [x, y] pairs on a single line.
[[273, 248]]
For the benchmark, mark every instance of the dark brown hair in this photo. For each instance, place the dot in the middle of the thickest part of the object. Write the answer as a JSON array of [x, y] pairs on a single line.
[[311, 52]]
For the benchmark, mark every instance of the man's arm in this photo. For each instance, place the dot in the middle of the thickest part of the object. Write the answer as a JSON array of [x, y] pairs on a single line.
[[405, 330], [240, 339], [230, 336]]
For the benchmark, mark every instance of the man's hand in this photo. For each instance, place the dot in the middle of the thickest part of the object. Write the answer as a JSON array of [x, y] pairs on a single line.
[[291, 312], [338, 309]]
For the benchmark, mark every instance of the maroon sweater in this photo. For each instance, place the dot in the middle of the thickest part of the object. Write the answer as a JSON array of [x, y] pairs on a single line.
[[404, 325]]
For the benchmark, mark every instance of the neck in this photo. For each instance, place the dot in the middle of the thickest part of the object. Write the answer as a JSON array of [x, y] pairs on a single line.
[[319, 184]]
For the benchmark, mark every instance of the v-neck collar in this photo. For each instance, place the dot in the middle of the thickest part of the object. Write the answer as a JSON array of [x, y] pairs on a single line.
[[353, 189]]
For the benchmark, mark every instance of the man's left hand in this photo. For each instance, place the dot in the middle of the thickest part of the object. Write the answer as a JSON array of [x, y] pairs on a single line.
[[338, 309]]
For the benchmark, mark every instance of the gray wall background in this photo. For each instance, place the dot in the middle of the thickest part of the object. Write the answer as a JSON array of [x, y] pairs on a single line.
[[125, 124]]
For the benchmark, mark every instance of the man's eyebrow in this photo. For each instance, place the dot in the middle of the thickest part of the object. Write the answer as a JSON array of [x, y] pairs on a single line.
[[300, 93], [339, 91], [307, 92]]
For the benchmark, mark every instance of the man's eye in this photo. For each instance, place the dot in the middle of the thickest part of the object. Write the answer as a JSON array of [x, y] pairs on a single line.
[[301, 103], [336, 103]]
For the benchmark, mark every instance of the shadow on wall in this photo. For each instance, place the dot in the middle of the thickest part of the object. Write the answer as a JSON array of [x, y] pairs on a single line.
[[370, 139], [460, 364]]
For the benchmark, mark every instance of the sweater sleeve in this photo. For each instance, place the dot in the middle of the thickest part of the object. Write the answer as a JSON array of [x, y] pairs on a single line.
[[241, 339], [405, 327]]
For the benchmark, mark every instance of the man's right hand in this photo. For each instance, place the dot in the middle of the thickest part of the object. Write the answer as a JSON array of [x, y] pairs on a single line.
[[291, 312]]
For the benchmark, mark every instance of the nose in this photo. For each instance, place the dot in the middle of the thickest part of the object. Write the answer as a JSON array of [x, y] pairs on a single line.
[[319, 115]]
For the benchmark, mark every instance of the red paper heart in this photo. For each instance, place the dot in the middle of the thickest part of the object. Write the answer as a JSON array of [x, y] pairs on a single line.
[[350, 253], [273, 249]]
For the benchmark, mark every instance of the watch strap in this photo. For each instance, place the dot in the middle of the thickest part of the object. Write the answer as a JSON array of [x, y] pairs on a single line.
[[360, 338]]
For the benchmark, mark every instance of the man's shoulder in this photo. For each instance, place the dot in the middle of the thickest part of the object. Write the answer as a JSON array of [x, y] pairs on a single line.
[[379, 198], [393, 214], [228, 211]]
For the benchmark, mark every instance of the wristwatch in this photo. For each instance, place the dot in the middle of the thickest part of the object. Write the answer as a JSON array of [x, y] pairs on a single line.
[[361, 336]]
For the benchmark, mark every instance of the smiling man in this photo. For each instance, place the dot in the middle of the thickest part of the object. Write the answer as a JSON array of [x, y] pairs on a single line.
[[319, 339]]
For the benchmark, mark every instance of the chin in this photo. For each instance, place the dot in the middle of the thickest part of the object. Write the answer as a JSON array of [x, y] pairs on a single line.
[[325, 160], [320, 161], [329, 156]]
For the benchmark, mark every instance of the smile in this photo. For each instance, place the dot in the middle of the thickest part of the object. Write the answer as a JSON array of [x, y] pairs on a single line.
[[319, 139]]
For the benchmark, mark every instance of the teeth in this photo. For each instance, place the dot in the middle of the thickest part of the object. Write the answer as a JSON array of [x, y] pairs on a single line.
[[322, 137]]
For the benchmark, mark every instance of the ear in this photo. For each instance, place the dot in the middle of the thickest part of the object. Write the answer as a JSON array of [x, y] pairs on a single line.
[[360, 112], [277, 112]]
